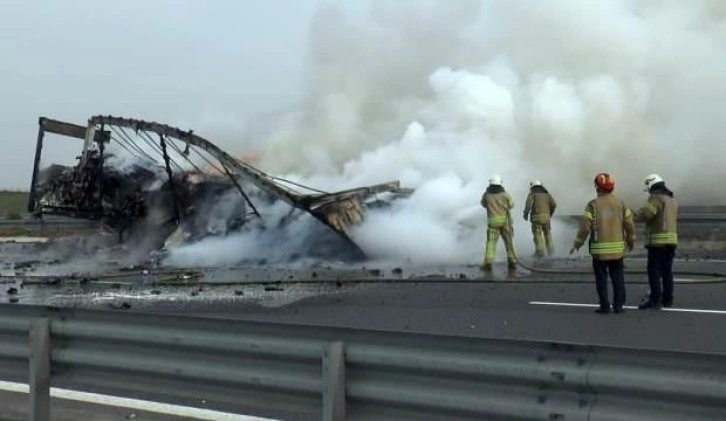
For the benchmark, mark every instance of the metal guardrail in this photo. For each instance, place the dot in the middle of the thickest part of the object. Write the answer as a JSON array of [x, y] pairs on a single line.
[[308, 372], [702, 217], [49, 222], [47, 227], [682, 218]]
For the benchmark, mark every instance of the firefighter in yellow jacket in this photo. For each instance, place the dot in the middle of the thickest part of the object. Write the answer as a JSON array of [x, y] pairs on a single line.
[[609, 224], [539, 207], [498, 204], [660, 214]]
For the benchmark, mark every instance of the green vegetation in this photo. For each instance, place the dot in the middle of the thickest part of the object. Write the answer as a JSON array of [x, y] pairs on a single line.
[[13, 204]]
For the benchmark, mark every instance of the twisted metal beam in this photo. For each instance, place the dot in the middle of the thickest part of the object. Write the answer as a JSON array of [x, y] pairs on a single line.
[[262, 180]]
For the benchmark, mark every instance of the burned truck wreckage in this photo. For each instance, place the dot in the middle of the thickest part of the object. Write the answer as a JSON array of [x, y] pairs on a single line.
[[165, 187]]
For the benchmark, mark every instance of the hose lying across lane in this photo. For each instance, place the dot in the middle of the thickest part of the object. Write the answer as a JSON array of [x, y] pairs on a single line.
[[195, 276], [718, 277]]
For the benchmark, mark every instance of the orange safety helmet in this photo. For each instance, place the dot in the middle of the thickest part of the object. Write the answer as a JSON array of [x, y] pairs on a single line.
[[605, 182]]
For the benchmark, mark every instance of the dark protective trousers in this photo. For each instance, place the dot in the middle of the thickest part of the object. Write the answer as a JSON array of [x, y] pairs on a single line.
[[615, 269], [660, 269]]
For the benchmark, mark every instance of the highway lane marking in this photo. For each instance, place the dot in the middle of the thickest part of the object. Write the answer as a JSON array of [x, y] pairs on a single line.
[[134, 404], [682, 310], [24, 239], [694, 260], [704, 280]]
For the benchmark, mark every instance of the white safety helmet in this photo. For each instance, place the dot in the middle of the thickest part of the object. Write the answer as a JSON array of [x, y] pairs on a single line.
[[533, 183], [651, 179], [495, 180]]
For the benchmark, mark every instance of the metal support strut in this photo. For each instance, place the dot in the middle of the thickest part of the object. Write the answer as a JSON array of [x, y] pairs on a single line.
[[36, 166], [165, 154], [101, 158], [242, 192]]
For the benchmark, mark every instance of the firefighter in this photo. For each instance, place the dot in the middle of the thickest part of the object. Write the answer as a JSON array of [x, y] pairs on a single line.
[[539, 207], [609, 225], [660, 215], [498, 204]]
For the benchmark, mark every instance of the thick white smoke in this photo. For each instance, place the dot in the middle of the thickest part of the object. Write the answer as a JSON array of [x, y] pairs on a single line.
[[442, 94]]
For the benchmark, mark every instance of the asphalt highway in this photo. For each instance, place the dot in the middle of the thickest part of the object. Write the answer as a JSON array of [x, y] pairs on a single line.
[[448, 300], [505, 311], [458, 301], [528, 306]]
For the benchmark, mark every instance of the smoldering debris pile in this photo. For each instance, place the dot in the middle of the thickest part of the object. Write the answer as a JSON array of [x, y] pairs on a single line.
[[163, 190], [139, 202]]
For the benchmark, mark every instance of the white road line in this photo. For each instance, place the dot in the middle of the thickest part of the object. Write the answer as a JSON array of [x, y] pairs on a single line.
[[24, 239], [703, 280], [136, 404], [682, 260], [682, 310]]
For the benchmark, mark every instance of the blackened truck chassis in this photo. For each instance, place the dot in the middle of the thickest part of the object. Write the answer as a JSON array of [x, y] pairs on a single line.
[[92, 189]]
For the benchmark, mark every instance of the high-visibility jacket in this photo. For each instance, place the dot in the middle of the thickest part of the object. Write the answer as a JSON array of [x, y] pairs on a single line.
[[660, 214], [609, 224], [498, 203], [540, 205]]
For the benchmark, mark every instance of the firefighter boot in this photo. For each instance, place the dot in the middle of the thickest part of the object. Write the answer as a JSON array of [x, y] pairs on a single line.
[[485, 266], [654, 305]]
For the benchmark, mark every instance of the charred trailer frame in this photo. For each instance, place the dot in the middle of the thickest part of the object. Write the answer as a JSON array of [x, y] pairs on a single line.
[[337, 210], [47, 125]]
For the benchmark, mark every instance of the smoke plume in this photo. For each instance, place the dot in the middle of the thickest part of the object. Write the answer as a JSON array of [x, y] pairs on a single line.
[[443, 94]]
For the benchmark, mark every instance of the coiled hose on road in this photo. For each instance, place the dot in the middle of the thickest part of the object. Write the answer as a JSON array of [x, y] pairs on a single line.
[[588, 272], [632, 272], [195, 276], [718, 277], [191, 276]]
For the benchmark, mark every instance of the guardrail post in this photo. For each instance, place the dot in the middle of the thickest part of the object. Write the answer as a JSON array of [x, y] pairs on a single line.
[[334, 382], [39, 370]]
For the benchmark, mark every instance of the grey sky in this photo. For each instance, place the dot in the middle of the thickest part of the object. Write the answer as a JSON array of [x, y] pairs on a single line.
[[197, 64]]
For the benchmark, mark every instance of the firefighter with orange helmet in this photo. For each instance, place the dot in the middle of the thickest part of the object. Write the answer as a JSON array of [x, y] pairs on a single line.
[[498, 204], [609, 225]]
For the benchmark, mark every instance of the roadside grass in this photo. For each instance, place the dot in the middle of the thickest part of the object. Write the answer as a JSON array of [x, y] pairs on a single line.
[[13, 204]]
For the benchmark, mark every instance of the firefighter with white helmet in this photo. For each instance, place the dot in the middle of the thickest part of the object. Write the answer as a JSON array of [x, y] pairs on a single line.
[[609, 225], [538, 208], [498, 204], [660, 215]]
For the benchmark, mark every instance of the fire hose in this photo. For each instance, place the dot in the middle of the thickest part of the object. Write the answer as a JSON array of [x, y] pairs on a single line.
[[586, 272]]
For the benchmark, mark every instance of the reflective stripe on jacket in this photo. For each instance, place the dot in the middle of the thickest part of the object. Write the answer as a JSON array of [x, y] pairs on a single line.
[[660, 214], [609, 225], [539, 207], [498, 206]]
